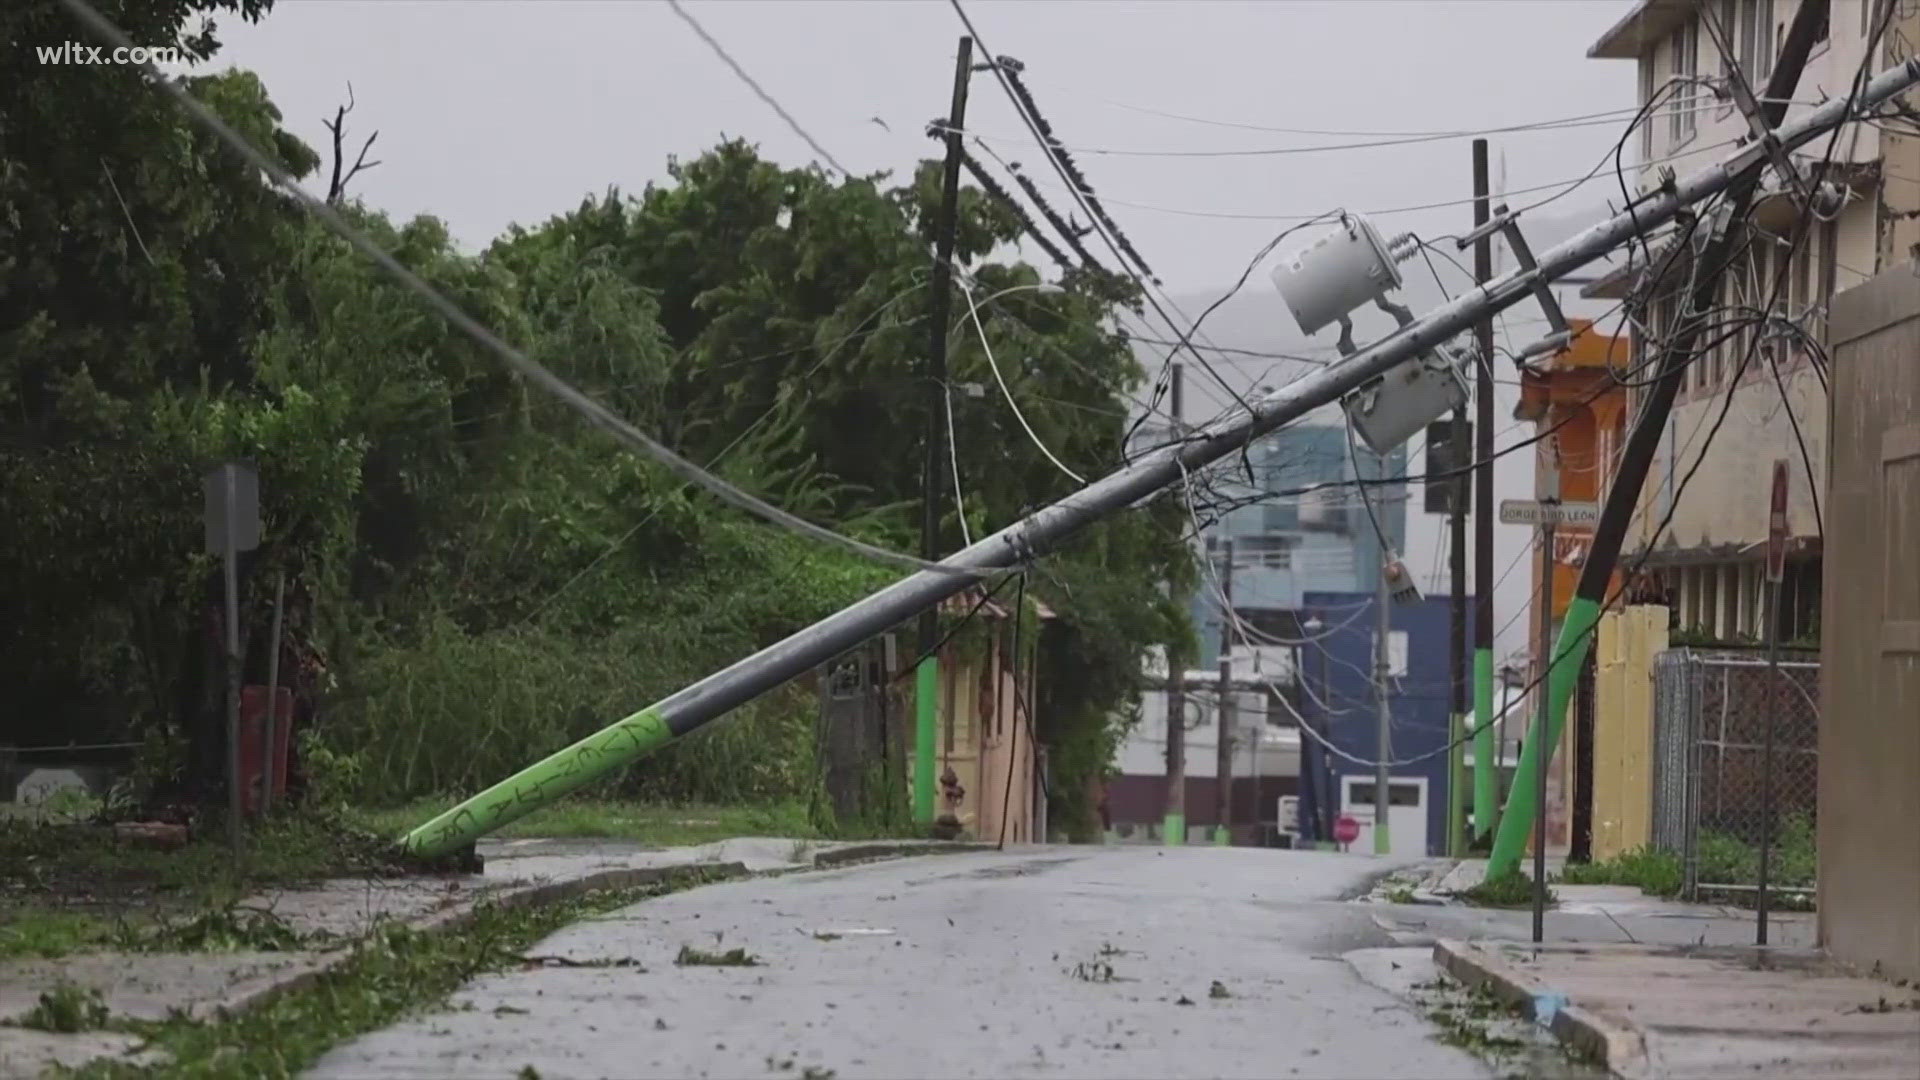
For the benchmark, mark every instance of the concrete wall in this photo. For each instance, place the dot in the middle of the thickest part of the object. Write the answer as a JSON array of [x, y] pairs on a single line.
[[1899, 225], [1623, 728], [1869, 878]]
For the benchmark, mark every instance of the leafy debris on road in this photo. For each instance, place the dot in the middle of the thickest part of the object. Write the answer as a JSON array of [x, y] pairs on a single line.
[[569, 962], [1184, 1000], [66, 1009], [734, 957], [1218, 990]]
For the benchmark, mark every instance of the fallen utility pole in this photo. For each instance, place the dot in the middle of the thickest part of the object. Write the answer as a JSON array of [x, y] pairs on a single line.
[[1609, 533], [927, 679], [1018, 544]]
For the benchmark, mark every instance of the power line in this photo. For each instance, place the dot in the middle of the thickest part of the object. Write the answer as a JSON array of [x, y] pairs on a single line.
[[1228, 215], [1338, 132], [1082, 197], [727, 58], [973, 312], [1370, 144]]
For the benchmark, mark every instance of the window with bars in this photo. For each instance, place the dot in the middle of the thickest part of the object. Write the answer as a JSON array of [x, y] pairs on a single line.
[[1685, 46], [1646, 97]]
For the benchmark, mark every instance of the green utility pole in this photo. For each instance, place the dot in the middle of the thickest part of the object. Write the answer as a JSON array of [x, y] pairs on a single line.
[[926, 685], [1609, 533], [1487, 750]]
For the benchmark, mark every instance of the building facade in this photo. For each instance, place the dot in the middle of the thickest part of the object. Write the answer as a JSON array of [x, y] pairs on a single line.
[[1755, 392], [1340, 705], [1289, 540]]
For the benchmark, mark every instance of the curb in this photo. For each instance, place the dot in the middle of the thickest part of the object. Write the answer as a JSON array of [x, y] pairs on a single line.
[[856, 853], [1618, 1047], [459, 914]]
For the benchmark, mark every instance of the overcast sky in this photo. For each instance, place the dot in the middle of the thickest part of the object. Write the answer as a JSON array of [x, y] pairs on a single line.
[[494, 112], [499, 111]]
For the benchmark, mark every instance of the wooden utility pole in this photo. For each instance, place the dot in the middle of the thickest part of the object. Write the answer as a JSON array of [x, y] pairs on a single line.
[[1173, 830], [1228, 710], [1487, 750], [927, 679]]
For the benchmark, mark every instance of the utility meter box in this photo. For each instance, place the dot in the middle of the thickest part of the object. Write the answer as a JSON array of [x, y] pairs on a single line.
[[1344, 269], [1393, 408]]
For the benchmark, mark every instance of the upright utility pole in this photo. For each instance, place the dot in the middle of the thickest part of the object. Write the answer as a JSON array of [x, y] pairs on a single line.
[[1549, 489], [1383, 735], [1173, 830], [1229, 710], [1487, 750], [1610, 532], [1457, 717], [927, 678]]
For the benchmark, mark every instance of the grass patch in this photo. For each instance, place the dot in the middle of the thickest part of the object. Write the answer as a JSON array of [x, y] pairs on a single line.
[[1510, 890], [665, 826], [393, 972], [1722, 860], [90, 862], [1655, 872], [28, 933], [69, 888], [67, 1009], [735, 957]]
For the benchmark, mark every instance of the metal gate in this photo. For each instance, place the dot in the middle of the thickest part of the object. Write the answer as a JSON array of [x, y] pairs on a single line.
[[1709, 802]]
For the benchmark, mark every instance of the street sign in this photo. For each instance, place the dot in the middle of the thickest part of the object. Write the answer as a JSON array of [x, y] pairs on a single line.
[[1530, 512], [233, 508], [1345, 829], [1777, 525]]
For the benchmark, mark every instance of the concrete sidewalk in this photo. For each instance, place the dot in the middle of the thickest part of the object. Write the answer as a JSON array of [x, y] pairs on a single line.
[[333, 915], [1665, 1011]]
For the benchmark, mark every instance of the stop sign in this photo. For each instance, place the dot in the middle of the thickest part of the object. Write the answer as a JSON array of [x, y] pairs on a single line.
[[1345, 829]]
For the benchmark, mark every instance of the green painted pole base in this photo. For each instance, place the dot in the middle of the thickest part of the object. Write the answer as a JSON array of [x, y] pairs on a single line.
[[1221, 837], [925, 733], [1569, 653], [541, 783], [1457, 787], [1173, 832], [1382, 843], [1486, 749]]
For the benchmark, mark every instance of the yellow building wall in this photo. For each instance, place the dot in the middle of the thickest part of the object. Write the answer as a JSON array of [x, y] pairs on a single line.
[[1623, 728]]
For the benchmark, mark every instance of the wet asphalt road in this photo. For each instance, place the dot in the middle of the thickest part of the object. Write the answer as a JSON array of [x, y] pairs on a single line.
[[1041, 962]]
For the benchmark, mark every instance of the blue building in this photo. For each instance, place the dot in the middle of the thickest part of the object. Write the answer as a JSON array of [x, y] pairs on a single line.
[[1287, 546], [1337, 701]]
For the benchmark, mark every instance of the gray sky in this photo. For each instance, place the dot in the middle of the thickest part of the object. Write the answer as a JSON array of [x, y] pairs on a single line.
[[493, 112], [510, 110]]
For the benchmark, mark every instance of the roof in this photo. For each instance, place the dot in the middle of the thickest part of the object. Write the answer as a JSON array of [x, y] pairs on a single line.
[[1639, 29]]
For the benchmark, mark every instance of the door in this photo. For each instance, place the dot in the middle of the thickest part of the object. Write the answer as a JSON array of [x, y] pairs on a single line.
[[1406, 810]]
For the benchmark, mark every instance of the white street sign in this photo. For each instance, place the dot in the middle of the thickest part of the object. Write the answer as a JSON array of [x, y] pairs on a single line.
[[1529, 512]]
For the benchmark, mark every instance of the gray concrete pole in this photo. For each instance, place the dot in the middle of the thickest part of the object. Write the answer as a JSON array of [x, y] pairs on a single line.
[[712, 697]]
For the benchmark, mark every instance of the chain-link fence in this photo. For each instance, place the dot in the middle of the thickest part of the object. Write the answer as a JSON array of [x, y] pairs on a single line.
[[1710, 778]]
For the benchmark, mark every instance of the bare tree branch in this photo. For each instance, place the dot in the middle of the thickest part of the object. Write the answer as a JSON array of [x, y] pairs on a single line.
[[337, 184]]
